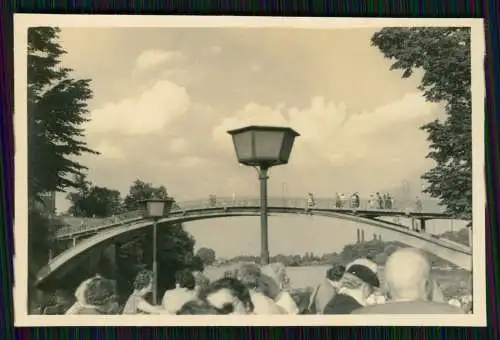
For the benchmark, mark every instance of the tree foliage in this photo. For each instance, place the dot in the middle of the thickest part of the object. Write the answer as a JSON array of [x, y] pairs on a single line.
[[175, 252], [40, 240], [139, 191], [57, 109], [444, 54], [207, 255], [93, 201]]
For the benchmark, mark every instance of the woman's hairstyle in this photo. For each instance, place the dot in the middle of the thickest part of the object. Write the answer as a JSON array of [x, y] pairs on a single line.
[[250, 275], [335, 272], [143, 279], [185, 279], [198, 307], [237, 289], [99, 291]]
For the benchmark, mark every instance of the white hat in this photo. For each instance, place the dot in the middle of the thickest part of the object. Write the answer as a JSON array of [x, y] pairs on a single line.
[[365, 270]]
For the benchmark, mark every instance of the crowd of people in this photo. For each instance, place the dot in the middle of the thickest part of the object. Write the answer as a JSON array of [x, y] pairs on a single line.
[[408, 288]]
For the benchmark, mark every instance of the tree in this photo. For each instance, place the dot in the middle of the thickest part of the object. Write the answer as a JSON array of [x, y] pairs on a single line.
[[461, 236], [57, 109], [57, 106], [175, 252], [207, 255], [94, 201], [139, 191], [444, 56], [40, 240]]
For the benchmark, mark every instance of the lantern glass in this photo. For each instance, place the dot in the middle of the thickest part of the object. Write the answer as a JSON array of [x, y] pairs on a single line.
[[263, 145], [155, 208], [268, 145], [243, 145]]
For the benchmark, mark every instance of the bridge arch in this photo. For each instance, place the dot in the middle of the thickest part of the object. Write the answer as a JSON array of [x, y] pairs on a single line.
[[452, 252]]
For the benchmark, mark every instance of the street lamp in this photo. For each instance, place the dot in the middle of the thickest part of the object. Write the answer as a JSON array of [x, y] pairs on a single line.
[[155, 209], [263, 147]]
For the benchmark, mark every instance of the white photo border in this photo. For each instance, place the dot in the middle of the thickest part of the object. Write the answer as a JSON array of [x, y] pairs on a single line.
[[21, 24]]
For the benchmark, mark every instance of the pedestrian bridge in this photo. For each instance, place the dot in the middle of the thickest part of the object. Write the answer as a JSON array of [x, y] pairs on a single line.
[[94, 234]]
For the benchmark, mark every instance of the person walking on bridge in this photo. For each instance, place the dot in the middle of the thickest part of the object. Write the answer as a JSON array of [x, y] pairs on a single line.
[[355, 200], [338, 201], [410, 287], [310, 202], [380, 200], [388, 201], [419, 204], [372, 202]]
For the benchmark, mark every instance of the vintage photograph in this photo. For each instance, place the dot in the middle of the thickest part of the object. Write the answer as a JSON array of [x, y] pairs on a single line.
[[136, 197]]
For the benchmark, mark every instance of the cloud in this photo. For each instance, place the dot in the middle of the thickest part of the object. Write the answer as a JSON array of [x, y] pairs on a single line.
[[149, 112], [110, 151], [255, 67], [178, 145], [151, 58], [386, 138], [215, 49], [190, 161]]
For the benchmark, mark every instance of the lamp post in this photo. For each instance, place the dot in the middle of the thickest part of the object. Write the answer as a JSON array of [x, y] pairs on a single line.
[[155, 209], [263, 147]]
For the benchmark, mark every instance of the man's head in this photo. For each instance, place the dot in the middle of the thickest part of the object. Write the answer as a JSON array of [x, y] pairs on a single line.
[[229, 296], [143, 281], [185, 279], [335, 272], [408, 275], [250, 275]]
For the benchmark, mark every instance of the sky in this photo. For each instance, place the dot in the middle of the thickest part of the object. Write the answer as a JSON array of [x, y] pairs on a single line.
[[165, 97]]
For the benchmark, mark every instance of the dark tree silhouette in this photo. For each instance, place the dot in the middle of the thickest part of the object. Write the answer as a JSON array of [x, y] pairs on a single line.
[[93, 201], [444, 54], [57, 109], [207, 255]]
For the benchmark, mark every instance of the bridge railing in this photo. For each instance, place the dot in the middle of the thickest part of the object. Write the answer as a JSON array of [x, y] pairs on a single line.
[[86, 225]]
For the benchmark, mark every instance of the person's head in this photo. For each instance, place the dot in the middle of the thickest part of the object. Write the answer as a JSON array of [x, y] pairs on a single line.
[[80, 291], [277, 272], [229, 296], [201, 282], [198, 307], [100, 292], [250, 275], [185, 279], [335, 272], [408, 275], [361, 276], [143, 281]]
